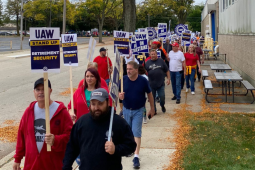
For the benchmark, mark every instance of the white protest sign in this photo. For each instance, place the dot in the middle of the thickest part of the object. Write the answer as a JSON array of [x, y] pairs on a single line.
[[92, 45], [142, 42], [162, 30]]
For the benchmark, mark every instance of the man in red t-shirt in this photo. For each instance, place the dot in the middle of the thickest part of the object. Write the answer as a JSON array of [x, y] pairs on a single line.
[[103, 69], [199, 53]]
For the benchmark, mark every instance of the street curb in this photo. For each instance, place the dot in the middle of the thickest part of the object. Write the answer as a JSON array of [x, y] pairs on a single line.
[[7, 159]]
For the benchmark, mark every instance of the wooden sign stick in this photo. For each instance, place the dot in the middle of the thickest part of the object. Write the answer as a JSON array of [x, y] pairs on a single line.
[[47, 102], [121, 75], [144, 57], [71, 89]]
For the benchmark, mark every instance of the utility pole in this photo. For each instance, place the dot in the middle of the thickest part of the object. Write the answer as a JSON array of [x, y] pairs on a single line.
[[50, 13], [148, 20], [21, 25], [64, 18]]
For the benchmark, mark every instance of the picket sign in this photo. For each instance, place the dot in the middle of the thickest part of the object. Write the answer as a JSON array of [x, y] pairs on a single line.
[[92, 45], [47, 110]]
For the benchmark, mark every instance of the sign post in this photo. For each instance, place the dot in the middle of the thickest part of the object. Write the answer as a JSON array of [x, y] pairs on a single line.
[[45, 57]]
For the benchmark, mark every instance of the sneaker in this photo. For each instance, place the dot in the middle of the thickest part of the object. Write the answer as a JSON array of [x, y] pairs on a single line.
[[187, 90], [130, 155], [192, 92], [178, 101], [157, 99], [163, 109], [136, 163], [145, 120], [174, 98]]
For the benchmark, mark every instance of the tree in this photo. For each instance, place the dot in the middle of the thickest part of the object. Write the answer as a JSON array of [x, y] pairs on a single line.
[[13, 7], [49, 12], [129, 12], [99, 10], [1, 13], [181, 9], [194, 18]]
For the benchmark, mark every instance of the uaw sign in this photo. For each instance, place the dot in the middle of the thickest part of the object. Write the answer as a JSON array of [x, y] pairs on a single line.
[[162, 27], [142, 30], [186, 37], [70, 53], [133, 45], [180, 28], [114, 90], [152, 33], [142, 42], [121, 41], [45, 55]]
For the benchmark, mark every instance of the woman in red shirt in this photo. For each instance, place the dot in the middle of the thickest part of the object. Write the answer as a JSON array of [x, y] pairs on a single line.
[[81, 97], [192, 61]]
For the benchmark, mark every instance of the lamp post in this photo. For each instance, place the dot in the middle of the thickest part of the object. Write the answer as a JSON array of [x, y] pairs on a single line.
[[148, 20], [64, 18], [21, 25]]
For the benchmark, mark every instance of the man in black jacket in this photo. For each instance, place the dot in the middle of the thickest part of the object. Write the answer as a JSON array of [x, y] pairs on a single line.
[[89, 137]]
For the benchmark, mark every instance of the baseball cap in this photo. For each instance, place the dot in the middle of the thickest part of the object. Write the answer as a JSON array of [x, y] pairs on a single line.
[[102, 49], [175, 45], [155, 42], [99, 94], [41, 81]]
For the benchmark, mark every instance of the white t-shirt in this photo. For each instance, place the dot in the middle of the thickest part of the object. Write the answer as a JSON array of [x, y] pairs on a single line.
[[176, 59], [131, 59]]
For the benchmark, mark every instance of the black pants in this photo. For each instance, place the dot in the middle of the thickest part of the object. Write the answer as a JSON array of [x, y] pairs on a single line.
[[198, 74], [182, 79]]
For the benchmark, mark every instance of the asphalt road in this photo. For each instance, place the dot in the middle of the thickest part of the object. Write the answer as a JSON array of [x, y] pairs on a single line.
[[25, 43]]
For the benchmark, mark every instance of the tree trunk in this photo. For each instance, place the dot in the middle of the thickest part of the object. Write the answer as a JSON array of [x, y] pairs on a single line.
[[17, 24], [100, 25], [129, 13]]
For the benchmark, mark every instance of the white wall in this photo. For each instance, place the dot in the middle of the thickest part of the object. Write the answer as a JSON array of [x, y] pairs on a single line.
[[238, 18], [206, 10]]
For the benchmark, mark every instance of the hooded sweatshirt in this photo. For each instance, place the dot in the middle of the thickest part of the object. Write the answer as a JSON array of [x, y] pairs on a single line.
[[88, 138], [60, 126]]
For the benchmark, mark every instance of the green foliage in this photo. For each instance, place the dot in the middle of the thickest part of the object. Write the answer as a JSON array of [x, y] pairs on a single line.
[[181, 9], [1, 13], [194, 18]]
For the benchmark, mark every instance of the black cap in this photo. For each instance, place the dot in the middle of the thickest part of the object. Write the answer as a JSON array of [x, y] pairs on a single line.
[[41, 81], [102, 49]]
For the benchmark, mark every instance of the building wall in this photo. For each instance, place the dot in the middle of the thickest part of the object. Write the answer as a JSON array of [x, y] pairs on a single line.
[[240, 54], [237, 18], [203, 25], [237, 36]]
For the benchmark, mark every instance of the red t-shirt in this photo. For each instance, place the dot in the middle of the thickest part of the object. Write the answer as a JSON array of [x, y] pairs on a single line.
[[190, 59], [199, 52], [102, 66]]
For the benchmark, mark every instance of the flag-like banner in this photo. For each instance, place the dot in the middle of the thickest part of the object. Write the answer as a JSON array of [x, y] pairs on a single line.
[[114, 90], [121, 41], [45, 54], [70, 53]]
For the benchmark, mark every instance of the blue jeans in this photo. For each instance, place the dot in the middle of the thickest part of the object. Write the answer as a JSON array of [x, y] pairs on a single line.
[[107, 82], [161, 94], [190, 77], [176, 83], [135, 120]]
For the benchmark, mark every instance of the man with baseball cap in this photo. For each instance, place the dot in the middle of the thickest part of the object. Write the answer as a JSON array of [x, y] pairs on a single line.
[[176, 65], [103, 69], [32, 137], [90, 133]]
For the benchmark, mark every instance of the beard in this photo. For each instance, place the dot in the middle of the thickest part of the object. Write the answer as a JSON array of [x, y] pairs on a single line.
[[99, 114]]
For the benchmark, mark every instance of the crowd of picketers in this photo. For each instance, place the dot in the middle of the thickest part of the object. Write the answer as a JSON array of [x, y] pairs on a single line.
[[80, 133]]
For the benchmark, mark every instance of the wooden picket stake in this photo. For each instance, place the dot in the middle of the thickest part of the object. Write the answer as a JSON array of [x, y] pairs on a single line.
[[71, 89], [47, 102], [144, 57], [121, 75]]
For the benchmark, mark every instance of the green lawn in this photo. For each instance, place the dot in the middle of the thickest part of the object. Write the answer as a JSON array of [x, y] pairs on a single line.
[[220, 142]]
